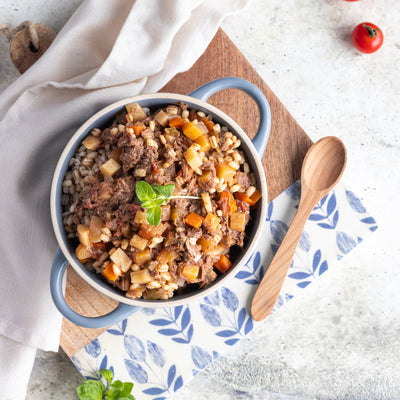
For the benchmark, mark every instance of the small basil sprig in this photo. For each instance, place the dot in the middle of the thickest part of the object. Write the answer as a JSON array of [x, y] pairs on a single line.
[[96, 390], [151, 197]]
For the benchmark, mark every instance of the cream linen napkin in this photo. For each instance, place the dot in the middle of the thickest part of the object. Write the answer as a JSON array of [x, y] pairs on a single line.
[[107, 51]]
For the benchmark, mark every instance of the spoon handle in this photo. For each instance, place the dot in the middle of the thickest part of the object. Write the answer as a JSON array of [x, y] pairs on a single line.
[[271, 284]]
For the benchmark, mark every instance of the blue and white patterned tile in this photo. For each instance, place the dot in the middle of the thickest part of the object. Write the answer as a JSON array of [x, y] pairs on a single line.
[[160, 350]]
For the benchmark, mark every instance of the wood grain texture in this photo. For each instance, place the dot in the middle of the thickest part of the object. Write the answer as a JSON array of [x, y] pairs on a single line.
[[282, 160], [323, 167]]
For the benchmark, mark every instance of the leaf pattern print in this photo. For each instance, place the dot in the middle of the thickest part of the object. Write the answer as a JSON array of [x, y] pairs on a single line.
[[161, 349], [329, 214], [180, 326], [254, 273], [230, 318], [358, 207], [147, 365], [309, 271]]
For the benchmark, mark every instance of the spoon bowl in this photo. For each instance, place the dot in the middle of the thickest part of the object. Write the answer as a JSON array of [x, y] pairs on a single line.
[[323, 166]]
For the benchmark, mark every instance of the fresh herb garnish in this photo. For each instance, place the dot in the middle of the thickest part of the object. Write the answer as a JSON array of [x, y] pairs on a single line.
[[151, 197], [96, 390]]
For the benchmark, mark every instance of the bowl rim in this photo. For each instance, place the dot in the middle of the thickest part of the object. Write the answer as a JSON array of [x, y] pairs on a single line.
[[87, 275]]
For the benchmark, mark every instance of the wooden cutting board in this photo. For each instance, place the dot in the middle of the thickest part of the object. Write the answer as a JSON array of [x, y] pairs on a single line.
[[282, 160]]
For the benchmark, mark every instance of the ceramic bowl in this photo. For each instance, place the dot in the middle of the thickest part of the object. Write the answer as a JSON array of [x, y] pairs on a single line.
[[65, 253]]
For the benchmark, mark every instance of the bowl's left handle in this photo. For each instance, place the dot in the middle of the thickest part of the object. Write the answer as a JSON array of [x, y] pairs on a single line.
[[261, 138], [56, 286]]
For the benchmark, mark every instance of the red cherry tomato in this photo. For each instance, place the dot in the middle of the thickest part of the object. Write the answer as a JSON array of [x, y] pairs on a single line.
[[367, 37], [351, 0]]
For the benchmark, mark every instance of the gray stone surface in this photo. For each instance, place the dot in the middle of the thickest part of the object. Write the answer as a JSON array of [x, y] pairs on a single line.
[[341, 340]]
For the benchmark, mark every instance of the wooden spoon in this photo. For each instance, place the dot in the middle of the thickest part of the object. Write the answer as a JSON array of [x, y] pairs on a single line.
[[322, 168]]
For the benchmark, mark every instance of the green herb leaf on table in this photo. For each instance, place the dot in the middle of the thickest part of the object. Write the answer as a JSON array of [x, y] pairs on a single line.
[[95, 390], [107, 374]]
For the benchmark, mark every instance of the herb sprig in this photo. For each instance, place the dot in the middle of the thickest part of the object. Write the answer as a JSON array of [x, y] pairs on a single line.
[[151, 197], [96, 390]]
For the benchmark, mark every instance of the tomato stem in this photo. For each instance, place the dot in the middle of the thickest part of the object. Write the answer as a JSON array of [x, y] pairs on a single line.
[[372, 32]]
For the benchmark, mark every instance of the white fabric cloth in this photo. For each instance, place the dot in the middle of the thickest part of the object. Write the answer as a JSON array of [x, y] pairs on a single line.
[[107, 51]]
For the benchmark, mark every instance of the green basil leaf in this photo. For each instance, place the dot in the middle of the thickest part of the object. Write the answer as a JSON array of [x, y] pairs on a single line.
[[153, 215], [129, 397], [165, 190], [107, 374], [144, 191], [128, 386], [113, 394], [147, 204], [117, 385], [91, 390], [158, 201]]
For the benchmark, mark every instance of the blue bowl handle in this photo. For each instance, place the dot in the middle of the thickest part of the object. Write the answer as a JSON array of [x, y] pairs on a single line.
[[56, 283], [262, 135]]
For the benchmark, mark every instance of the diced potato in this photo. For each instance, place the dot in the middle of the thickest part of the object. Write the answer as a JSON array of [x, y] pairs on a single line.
[[105, 191], [138, 242], [157, 294], [191, 130], [149, 231], [190, 272], [143, 257], [140, 217], [141, 277], [205, 243], [135, 112], [120, 258], [205, 178], [167, 256], [96, 223], [192, 158], [83, 234], [217, 250], [82, 253], [110, 167], [92, 142], [211, 222], [225, 171], [207, 202], [204, 142], [112, 272], [162, 118], [238, 221], [174, 214]]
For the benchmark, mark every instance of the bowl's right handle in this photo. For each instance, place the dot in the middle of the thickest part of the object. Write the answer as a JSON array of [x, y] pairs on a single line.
[[210, 88], [56, 284]]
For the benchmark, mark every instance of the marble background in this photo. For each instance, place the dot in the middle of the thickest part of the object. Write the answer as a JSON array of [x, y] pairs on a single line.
[[341, 340]]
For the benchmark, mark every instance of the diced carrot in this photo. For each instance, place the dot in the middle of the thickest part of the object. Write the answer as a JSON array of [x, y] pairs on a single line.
[[176, 122], [243, 197], [194, 220], [255, 196], [138, 127], [227, 204], [111, 272], [191, 130], [223, 264], [209, 124]]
